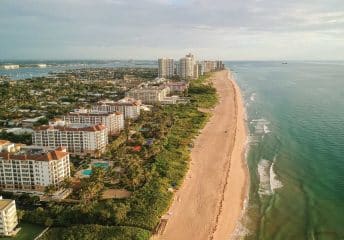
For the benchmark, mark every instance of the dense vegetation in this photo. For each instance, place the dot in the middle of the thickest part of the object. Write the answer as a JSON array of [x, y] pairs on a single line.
[[59, 93], [150, 174], [25, 138], [91, 232]]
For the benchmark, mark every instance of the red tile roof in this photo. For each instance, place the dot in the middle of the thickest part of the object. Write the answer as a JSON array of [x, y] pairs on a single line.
[[46, 156], [93, 128]]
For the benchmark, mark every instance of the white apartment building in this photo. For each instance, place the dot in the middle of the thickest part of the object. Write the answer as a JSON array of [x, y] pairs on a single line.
[[200, 69], [78, 139], [130, 107], [187, 67], [32, 168], [209, 66], [8, 217], [114, 121], [149, 94], [165, 68]]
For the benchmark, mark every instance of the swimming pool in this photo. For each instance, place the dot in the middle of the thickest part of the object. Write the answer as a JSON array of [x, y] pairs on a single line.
[[101, 164], [87, 172]]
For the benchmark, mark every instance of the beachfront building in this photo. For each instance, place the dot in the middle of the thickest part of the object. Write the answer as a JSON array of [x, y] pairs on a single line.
[[220, 65], [8, 217], [149, 94], [186, 67], [165, 68], [114, 121], [210, 66], [32, 168], [200, 69], [177, 87], [129, 107], [195, 73], [77, 138]]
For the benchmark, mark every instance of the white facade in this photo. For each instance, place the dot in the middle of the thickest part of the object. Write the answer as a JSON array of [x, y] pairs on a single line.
[[165, 68], [149, 95], [186, 67], [128, 106], [78, 139], [31, 169], [113, 121], [8, 217]]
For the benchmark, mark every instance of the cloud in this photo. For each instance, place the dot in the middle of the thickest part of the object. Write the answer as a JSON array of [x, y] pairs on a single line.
[[231, 29]]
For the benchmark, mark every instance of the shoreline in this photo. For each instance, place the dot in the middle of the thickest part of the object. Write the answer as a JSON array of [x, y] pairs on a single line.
[[234, 208], [210, 201]]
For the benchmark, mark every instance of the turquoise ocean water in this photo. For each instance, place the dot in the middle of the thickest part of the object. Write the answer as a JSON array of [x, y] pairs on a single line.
[[296, 149]]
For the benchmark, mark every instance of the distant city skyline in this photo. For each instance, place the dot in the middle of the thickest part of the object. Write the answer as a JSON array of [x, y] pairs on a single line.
[[150, 29]]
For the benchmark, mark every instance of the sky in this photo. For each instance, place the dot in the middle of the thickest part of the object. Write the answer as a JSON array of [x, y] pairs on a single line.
[[148, 29]]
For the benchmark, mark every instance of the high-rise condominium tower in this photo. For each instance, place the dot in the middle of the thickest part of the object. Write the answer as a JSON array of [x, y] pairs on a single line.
[[166, 67]]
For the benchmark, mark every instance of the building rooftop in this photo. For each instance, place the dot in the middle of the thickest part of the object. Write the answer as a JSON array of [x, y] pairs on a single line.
[[32, 120], [4, 142], [92, 113], [123, 102], [34, 153], [4, 203], [73, 127]]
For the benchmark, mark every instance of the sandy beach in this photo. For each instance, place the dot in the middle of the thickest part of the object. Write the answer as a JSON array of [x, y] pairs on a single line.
[[209, 203]]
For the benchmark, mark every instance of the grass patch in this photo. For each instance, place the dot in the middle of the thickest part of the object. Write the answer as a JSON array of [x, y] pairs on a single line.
[[28, 231]]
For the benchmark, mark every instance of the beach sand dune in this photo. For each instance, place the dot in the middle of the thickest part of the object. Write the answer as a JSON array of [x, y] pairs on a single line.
[[209, 203]]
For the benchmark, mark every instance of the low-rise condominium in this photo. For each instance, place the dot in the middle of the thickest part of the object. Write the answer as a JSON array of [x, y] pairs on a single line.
[[130, 107], [32, 168], [8, 218], [114, 121], [149, 94], [79, 139]]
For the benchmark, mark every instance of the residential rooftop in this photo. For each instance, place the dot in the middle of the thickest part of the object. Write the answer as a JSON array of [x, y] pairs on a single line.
[[34, 153], [73, 127], [4, 203]]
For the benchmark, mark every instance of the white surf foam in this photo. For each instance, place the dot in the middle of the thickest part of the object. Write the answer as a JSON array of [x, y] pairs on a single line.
[[241, 229], [264, 177], [266, 129], [261, 126], [268, 181], [274, 182]]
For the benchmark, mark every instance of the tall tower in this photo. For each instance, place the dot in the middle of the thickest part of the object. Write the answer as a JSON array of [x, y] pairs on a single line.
[[165, 67], [186, 66]]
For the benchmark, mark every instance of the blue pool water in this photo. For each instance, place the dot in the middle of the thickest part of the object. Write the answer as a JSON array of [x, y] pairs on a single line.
[[87, 172], [103, 165]]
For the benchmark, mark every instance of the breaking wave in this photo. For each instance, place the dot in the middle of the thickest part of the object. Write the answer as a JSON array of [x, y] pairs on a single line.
[[268, 181]]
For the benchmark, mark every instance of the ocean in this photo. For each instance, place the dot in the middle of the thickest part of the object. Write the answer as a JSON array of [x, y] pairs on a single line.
[[295, 118]]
